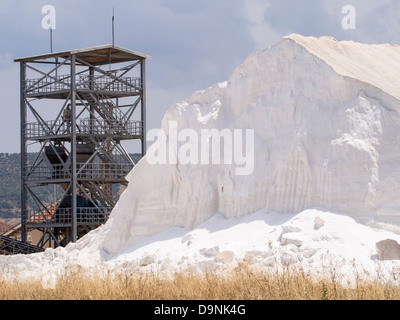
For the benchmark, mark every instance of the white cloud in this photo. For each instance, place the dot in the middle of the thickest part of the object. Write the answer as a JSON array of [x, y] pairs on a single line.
[[261, 31]]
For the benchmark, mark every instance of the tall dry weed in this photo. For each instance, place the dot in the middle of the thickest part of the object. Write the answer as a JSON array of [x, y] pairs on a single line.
[[241, 283]]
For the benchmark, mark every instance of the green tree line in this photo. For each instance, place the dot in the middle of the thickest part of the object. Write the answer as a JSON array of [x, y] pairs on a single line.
[[10, 184]]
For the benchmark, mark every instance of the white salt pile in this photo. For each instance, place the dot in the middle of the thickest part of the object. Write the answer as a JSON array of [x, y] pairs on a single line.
[[323, 188]]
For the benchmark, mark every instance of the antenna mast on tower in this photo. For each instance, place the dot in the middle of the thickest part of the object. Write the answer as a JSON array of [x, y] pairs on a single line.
[[113, 20], [51, 39]]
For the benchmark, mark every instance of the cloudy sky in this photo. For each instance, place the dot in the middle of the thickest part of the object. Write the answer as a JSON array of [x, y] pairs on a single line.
[[193, 43]]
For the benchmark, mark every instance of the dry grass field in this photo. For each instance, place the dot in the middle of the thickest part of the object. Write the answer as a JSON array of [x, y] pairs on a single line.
[[240, 284]]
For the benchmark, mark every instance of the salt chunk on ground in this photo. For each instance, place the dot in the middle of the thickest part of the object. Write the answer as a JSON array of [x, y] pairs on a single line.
[[292, 238], [210, 252], [225, 256], [318, 223]]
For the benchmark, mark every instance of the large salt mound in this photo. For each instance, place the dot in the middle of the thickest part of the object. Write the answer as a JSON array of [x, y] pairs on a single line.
[[326, 125]]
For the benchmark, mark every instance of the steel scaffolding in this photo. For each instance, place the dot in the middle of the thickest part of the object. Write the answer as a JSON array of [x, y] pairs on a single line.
[[77, 107], [11, 246]]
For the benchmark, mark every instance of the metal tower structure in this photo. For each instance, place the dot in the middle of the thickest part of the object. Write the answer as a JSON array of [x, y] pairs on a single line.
[[77, 107]]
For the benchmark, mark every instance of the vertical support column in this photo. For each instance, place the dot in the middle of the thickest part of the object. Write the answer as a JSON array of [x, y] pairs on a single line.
[[91, 87], [24, 161], [143, 104], [74, 233]]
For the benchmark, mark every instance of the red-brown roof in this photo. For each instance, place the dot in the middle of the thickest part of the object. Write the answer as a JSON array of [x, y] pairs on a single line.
[[43, 216]]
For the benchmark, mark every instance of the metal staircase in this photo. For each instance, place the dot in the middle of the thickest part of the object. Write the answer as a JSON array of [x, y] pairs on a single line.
[[80, 142], [10, 246]]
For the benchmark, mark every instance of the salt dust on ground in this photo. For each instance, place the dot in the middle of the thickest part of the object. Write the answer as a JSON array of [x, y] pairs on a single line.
[[325, 185], [318, 242]]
